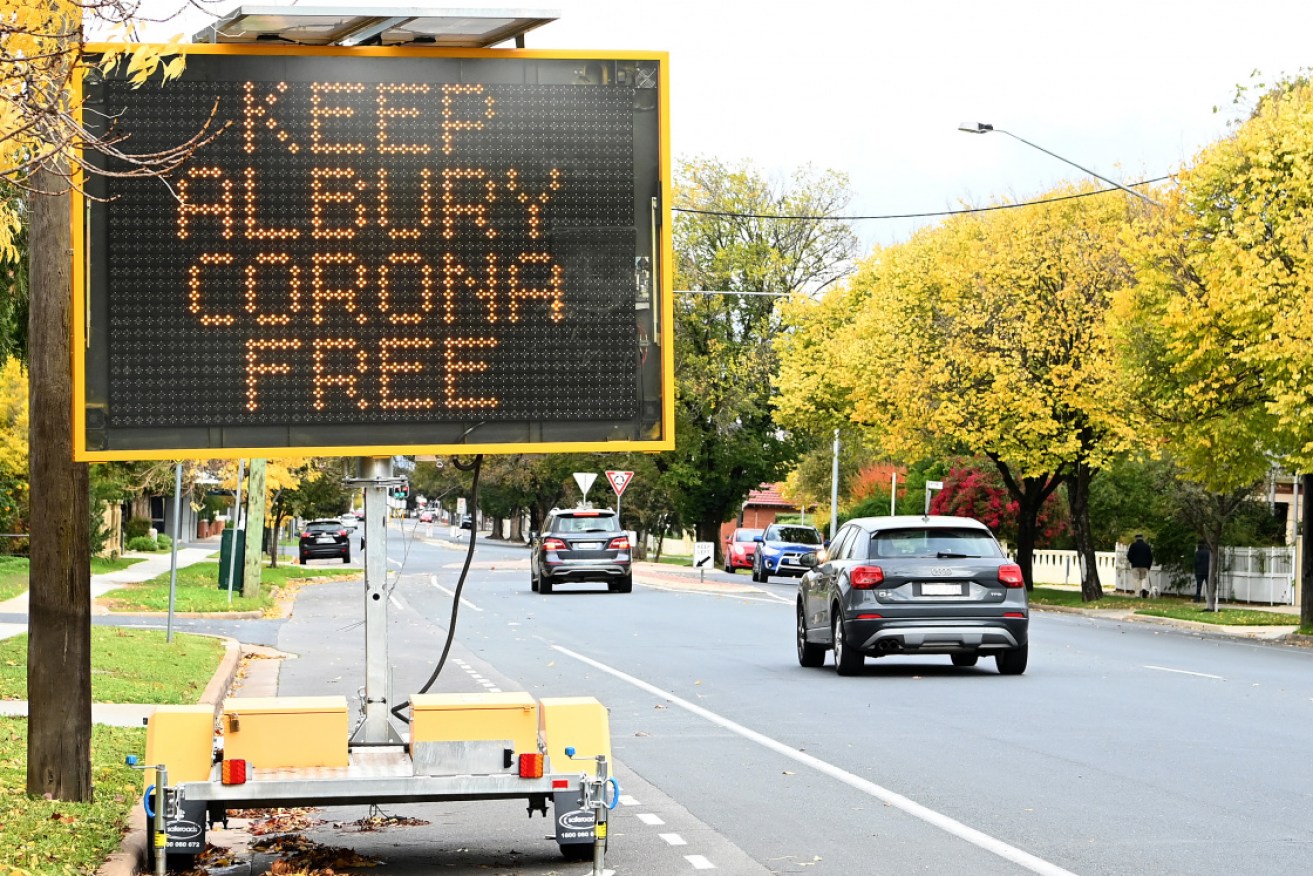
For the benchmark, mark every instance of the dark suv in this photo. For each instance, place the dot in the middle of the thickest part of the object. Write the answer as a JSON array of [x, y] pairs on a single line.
[[325, 538], [581, 544], [913, 585]]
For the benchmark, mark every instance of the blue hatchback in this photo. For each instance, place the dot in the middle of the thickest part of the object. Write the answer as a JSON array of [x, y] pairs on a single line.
[[781, 548]]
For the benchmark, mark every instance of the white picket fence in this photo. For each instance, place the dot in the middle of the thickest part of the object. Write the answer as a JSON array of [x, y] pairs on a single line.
[[1257, 575]]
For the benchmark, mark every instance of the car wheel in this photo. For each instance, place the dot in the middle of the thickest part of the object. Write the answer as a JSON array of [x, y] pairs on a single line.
[[1012, 662], [729, 568], [533, 584], [847, 660], [757, 575], [544, 586], [346, 557], [302, 558], [810, 654], [623, 585], [965, 659]]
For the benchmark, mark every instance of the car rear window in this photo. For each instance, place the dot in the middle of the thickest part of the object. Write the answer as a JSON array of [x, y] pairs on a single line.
[[796, 534], [746, 534], [934, 542], [599, 523], [323, 526]]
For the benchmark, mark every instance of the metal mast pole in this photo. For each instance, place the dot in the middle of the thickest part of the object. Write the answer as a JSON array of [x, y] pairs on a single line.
[[376, 725]]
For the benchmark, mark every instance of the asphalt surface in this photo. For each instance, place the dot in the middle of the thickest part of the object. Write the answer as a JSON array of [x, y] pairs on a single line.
[[1126, 748]]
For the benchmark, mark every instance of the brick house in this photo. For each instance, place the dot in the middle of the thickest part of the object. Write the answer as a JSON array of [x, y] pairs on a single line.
[[761, 509]]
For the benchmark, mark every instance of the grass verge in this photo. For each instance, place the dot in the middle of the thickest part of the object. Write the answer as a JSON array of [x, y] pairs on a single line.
[[128, 666], [101, 565], [1178, 608], [13, 577], [199, 590], [66, 839]]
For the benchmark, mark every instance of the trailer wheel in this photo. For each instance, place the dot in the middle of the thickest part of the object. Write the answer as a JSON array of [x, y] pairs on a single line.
[[577, 851]]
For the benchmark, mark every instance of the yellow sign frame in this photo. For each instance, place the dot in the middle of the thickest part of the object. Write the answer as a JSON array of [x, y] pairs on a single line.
[[663, 279]]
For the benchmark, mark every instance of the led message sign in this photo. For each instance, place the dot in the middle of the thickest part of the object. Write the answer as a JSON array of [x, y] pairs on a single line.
[[380, 251]]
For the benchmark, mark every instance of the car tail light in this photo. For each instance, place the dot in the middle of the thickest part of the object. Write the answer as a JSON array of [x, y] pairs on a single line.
[[866, 577], [1013, 614], [619, 544], [531, 766], [305, 534], [870, 616], [587, 514], [554, 544], [234, 772], [342, 532], [1009, 575]]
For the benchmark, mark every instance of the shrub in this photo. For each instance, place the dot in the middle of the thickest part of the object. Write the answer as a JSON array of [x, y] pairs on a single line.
[[136, 527], [164, 542], [142, 543]]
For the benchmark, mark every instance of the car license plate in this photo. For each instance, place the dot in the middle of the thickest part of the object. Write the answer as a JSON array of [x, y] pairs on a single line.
[[324, 540], [935, 588], [588, 545]]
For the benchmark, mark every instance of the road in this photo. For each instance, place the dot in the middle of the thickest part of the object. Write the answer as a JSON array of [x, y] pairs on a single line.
[[1126, 748]]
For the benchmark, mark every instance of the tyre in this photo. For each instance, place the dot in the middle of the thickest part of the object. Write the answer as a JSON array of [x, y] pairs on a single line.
[[847, 660], [577, 851], [729, 568], [533, 584], [965, 659], [810, 654], [302, 557], [544, 586], [1012, 662], [346, 556], [623, 585]]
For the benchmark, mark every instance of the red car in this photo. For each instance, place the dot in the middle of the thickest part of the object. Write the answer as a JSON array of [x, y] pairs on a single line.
[[740, 548]]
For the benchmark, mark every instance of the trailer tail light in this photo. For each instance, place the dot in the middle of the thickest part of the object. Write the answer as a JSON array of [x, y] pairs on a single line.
[[554, 544], [866, 577], [619, 544], [1009, 575], [234, 772], [560, 783], [531, 766]]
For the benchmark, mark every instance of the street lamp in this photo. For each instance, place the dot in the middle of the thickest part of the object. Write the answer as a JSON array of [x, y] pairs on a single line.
[[982, 128]]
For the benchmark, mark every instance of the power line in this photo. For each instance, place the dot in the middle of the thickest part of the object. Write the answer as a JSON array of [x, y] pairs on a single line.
[[916, 215]]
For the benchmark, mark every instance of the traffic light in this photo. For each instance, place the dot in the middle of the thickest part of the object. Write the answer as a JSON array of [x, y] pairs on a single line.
[[402, 491]]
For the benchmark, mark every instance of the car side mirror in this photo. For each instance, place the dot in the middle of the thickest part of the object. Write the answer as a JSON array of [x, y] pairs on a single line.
[[533, 534], [827, 543], [811, 561], [758, 539]]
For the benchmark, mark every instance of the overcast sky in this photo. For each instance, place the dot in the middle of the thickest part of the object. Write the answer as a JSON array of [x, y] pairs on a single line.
[[877, 89]]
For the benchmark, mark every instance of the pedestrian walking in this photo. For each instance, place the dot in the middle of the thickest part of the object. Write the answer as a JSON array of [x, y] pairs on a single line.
[[1140, 556], [1202, 560]]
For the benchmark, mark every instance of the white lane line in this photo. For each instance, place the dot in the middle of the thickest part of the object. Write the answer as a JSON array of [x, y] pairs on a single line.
[[673, 839], [626, 800], [433, 579], [699, 862], [1185, 672], [743, 596], [898, 801], [649, 819], [396, 600], [396, 563]]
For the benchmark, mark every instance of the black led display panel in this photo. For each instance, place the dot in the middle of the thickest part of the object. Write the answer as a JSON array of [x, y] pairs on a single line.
[[377, 251]]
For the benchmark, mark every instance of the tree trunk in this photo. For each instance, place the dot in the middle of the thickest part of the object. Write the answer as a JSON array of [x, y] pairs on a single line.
[[1306, 560], [254, 529], [708, 529], [1078, 500], [274, 548], [59, 593]]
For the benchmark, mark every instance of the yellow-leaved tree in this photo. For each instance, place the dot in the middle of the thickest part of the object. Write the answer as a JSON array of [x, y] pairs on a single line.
[[1218, 332], [986, 335], [13, 448], [42, 149]]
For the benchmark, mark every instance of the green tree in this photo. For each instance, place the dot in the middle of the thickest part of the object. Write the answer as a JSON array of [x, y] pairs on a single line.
[[727, 442]]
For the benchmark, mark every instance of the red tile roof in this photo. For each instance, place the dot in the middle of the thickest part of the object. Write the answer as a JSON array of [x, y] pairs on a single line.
[[769, 495]]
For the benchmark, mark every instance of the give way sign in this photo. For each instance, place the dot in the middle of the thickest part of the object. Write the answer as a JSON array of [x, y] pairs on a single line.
[[619, 480]]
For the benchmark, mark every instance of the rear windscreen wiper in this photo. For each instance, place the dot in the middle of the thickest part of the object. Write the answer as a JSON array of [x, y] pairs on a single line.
[[950, 555]]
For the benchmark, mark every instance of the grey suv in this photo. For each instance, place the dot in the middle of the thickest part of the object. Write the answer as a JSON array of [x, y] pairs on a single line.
[[913, 585], [581, 544]]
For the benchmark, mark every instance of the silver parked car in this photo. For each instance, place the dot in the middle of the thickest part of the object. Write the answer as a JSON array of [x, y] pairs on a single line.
[[913, 585]]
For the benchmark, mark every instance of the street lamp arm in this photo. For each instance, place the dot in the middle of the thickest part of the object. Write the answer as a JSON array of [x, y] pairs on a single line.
[[982, 128]]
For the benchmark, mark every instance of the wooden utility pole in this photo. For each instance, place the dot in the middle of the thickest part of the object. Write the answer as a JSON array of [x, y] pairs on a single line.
[[1306, 564], [59, 592], [254, 530]]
